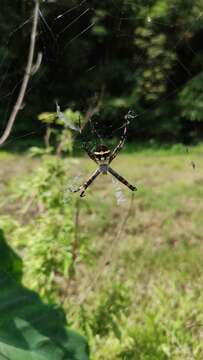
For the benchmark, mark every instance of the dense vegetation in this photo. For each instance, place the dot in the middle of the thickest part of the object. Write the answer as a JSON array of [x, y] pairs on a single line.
[[143, 55], [128, 276]]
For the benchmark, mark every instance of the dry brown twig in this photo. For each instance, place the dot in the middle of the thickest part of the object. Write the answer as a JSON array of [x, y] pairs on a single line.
[[71, 280], [75, 243], [30, 70]]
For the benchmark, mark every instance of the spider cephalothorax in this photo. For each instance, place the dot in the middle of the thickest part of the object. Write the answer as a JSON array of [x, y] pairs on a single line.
[[102, 154], [103, 157]]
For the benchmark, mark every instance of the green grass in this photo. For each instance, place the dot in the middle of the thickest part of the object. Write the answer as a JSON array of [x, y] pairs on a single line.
[[145, 296], [158, 254], [4, 155]]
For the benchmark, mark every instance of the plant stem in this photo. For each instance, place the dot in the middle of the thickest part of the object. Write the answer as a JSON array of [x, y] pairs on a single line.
[[28, 74]]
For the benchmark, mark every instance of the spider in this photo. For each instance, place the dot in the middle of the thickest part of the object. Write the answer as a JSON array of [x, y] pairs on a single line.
[[103, 157]]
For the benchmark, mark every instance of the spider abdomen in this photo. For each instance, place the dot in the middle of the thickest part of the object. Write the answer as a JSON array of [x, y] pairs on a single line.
[[104, 168]]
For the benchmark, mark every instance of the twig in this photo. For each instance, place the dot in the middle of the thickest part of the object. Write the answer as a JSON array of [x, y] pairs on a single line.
[[28, 74], [47, 137], [75, 242], [74, 251], [37, 65]]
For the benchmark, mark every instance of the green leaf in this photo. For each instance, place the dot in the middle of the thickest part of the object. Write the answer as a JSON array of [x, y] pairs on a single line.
[[9, 261], [191, 99], [99, 30], [29, 329], [47, 117]]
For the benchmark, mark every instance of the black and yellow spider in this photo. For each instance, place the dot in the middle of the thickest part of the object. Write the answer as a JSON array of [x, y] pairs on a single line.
[[103, 157]]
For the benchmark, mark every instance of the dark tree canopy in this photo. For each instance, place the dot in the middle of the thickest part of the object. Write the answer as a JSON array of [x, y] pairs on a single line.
[[142, 55]]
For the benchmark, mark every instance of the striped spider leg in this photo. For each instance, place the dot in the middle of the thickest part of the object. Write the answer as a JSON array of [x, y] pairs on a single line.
[[118, 148], [103, 157], [121, 179], [91, 178], [115, 152], [87, 183], [90, 154]]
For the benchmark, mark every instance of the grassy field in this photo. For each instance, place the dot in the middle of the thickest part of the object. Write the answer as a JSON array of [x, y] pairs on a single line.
[[141, 297]]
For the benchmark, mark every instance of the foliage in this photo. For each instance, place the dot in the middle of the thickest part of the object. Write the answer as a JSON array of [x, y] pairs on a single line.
[[159, 61], [48, 252], [84, 54], [30, 329], [9, 261], [63, 136], [108, 311], [191, 99]]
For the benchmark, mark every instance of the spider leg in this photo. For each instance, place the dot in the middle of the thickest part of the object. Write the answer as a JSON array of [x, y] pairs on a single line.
[[87, 183], [90, 154], [120, 144], [121, 179]]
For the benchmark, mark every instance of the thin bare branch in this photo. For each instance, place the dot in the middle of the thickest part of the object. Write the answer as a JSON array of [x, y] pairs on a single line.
[[28, 74], [75, 241], [37, 65], [71, 280], [47, 137]]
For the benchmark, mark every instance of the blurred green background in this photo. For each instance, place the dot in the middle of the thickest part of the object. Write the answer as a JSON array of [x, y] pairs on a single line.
[[142, 55]]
